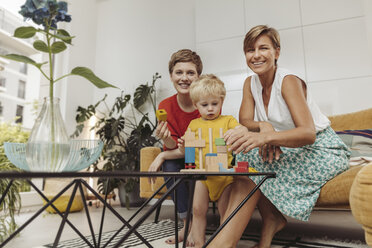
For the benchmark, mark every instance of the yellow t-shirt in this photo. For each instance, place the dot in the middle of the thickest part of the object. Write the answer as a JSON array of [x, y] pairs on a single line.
[[215, 184]]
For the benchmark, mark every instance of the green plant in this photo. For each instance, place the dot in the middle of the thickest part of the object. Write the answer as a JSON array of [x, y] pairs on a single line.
[[123, 135], [48, 13], [11, 203]]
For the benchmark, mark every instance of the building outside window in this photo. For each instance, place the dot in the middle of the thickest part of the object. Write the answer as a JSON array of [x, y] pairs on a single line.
[[19, 114], [23, 68], [22, 89], [2, 82]]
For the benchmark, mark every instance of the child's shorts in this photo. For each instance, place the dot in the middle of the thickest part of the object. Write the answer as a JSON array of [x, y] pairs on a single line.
[[216, 185]]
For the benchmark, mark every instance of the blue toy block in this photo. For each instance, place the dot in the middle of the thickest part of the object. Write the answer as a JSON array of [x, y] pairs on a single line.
[[223, 169], [211, 155], [189, 155]]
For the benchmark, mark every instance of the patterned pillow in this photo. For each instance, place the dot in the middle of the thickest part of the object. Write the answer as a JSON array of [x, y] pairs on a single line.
[[359, 141]]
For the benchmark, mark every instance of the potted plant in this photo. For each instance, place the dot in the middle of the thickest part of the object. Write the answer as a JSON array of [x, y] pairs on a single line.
[[125, 128], [11, 203]]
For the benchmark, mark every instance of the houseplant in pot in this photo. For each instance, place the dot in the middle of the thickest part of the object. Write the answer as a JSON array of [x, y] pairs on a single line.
[[125, 128], [11, 203], [48, 145]]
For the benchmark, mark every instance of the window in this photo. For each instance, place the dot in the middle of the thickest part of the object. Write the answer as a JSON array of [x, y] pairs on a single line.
[[19, 114], [1, 109], [22, 89], [23, 68], [2, 82]]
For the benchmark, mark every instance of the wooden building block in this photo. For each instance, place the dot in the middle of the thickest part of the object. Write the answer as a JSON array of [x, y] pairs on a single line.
[[161, 114], [222, 158], [189, 155], [189, 136], [219, 142], [240, 169], [210, 160], [221, 149], [192, 170], [195, 143], [243, 164]]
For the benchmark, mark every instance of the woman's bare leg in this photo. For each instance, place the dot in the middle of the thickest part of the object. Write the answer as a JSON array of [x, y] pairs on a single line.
[[222, 202], [200, 208], [272, 222], [231, 233]]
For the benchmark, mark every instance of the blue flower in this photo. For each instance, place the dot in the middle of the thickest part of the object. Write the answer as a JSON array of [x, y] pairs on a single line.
[[45, 12], [40, 15], [27, 9]]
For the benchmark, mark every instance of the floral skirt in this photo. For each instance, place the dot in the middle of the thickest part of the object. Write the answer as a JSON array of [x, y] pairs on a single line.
[[300, 173]]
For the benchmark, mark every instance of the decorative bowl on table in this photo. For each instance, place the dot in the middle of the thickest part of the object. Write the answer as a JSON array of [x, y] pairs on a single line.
[[81, 154]]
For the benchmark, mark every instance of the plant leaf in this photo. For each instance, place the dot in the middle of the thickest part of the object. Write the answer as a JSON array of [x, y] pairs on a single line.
[[89, 75], [41, 46], [141, 94], [58, 46], [64, 36], [24, 32], [23, 59]]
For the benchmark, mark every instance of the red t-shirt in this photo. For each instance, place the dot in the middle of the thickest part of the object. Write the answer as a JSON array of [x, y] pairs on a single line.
[[178, 120]]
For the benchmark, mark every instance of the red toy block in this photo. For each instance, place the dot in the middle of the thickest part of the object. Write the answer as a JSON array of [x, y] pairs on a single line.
[[241, 169], [243, 165]]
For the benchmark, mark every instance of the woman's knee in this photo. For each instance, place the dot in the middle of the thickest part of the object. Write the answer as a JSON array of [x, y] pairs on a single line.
[[173, 165]]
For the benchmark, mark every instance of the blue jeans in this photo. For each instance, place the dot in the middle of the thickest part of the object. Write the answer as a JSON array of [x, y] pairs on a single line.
[[176, 165]]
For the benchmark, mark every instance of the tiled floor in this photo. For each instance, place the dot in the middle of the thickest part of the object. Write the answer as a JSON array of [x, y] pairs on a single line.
[[322, 224]]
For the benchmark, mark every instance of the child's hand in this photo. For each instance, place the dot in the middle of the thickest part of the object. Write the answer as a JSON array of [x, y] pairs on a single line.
[[181, 145], [155, 166], [162, 131]]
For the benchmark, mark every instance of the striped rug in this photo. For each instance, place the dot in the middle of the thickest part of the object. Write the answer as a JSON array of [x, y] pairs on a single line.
[[150, 231], [156, 234]]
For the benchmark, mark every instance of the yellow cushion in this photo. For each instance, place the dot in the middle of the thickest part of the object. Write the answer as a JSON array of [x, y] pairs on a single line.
[[53, 186], [352, 121], [147, 155], [361, 199], [335, 193]]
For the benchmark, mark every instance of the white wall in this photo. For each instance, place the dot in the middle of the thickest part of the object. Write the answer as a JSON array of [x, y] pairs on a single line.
[[125, 42], [327, 42]]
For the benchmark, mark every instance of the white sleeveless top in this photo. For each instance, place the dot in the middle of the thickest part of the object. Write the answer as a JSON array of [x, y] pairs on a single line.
[[278, 112]]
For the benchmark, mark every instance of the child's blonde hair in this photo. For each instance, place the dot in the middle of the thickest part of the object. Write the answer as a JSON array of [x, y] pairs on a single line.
[[205, 86]]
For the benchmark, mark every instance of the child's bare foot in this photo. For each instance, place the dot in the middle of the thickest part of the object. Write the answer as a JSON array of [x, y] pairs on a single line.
[[270, 226], [172, 240]]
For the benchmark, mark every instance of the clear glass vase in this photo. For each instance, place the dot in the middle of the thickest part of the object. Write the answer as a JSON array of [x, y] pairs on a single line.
[[48, 146]]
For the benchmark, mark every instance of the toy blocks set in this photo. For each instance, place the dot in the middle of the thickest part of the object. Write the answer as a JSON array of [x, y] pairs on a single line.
[[213, 161]]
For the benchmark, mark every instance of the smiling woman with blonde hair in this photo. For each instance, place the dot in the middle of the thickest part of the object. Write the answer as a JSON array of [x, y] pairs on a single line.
[[283, 132]]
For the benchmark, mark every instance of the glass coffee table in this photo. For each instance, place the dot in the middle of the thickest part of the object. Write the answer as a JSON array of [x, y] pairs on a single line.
[[78, 182]]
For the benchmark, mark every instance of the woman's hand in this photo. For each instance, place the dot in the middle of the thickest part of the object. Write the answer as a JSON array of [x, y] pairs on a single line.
[[162, 131], [181, 145], [241, 140], [155, 166], [267, 151]]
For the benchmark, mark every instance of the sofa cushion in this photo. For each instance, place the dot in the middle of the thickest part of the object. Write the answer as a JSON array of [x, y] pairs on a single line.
[[335, 193], [352, 121], [359, 141]]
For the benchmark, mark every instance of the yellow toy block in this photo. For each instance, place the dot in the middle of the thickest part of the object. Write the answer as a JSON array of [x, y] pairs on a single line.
[[161, 114]]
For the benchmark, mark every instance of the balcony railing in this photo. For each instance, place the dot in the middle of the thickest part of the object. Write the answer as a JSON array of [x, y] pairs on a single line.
[[9, 22]]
